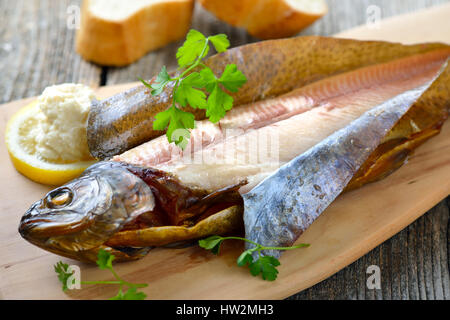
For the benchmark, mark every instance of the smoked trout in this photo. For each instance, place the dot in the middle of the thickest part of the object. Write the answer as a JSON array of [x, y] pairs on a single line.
[[278, 159], [272, 68]]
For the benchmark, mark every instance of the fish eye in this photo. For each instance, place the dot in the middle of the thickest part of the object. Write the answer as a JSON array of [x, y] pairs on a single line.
[[59, 198]]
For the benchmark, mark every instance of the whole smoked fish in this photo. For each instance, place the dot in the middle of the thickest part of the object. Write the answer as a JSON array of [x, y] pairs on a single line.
[[329, 126]]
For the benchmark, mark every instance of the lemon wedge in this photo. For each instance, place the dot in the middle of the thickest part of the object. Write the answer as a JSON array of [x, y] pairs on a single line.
[[30, 164]]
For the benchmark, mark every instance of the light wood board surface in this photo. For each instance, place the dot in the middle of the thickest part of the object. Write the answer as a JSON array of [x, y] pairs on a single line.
[[350, 227]]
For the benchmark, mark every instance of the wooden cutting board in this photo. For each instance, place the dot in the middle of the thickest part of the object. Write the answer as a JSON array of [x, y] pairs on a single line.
[[354, 224]]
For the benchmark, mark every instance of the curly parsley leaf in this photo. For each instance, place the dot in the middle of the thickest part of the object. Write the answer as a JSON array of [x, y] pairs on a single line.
[[163, 76], [187, 93], [192, 48], [209, 79], [160, 82], [265, 265], [211, 243], [118, 296], [232, 78], [181, 137], [177, 123], [63, 275], [220, 42], [245, 258], [218, 103], [190, 88], [130, 294], [104, 259]]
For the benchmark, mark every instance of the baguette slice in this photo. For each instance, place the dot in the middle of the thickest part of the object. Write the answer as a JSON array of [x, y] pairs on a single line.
[[119, 32], [268, 19]]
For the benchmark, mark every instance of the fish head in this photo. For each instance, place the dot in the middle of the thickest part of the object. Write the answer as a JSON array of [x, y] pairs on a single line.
[[86, 212]]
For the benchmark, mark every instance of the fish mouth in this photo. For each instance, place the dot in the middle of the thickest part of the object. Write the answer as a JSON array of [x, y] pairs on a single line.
[[38, 227], [49, 234], [57, 214]]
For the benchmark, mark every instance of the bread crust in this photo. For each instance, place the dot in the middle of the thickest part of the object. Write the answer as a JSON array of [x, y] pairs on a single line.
[[121, 42], [265, 19]]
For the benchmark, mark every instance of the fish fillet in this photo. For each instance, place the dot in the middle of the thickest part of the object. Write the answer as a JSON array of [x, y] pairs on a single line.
[[272, 68], [255, 139], [279, 209]]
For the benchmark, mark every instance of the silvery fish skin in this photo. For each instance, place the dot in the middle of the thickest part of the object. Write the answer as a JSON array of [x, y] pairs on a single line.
[[279, 209], [84, 213]]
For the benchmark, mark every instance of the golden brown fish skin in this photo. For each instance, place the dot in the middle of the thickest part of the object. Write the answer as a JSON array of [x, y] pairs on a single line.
[[272, 68], [224, 222], [91, 255], [110, 128]]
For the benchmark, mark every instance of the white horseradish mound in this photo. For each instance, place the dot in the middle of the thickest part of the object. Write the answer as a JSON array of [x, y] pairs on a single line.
[[58, 132]]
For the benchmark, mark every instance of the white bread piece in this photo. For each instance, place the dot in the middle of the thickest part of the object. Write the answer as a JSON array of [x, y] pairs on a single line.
[[119, 32], [268, 19]]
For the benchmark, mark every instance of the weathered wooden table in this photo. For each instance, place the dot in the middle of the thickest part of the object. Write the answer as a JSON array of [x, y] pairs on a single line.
[[37, 50]]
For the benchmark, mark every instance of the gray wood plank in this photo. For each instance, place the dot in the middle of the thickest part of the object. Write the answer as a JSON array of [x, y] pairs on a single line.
[[37, 49], [413, 263]]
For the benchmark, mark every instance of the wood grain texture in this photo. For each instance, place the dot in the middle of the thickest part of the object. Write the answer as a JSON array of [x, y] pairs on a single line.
[[351, 226], [36, 50]]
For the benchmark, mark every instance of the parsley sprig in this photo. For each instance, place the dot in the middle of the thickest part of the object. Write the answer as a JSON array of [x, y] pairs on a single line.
[[191, 87], [104, 262], [265, 265]]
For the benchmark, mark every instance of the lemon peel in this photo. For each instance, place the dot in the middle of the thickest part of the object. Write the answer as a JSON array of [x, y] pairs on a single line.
[[31, 165]]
